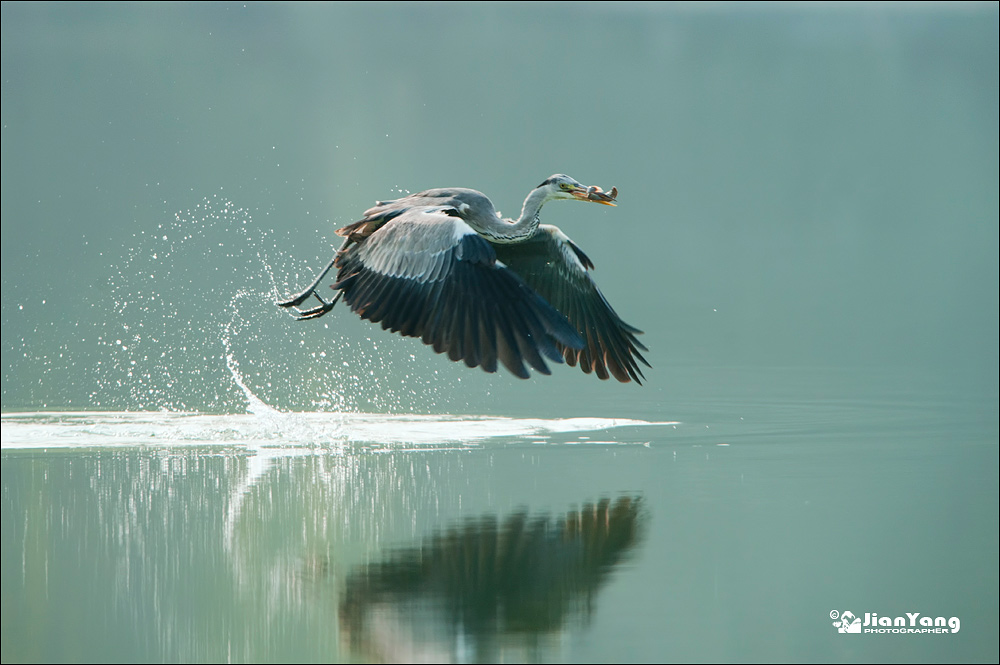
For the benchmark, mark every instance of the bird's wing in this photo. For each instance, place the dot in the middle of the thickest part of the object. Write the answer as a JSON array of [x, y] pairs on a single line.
[[385, 211], [556, 268], [425, 273]]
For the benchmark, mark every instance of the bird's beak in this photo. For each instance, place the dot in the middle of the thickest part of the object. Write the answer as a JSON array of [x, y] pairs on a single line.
[[596, 194]]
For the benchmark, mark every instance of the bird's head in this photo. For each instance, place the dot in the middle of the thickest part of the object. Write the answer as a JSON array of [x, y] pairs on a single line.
[[560, 186]]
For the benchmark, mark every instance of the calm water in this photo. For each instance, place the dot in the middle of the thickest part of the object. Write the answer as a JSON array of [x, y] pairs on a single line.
[[807, 232]]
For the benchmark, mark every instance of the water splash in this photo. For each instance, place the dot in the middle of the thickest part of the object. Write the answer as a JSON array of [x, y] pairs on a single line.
[[255, 404], [188, 322], [191, 326]]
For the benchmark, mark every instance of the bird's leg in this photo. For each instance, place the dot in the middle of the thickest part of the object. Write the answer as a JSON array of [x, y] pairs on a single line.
[[310, 290], [325, 306]]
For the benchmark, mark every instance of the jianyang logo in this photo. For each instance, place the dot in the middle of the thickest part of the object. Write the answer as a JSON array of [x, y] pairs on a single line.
[[913, 622], [847, 622]]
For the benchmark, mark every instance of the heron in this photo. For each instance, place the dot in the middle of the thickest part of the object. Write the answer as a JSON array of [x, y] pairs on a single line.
[[443, 266]]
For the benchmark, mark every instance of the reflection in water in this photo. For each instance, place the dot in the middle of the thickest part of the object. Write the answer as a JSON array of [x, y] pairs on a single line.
[[238, 538], [484, 589]]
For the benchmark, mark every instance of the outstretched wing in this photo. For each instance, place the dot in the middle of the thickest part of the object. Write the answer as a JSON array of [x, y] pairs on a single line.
[[425, 273], [556, 268]]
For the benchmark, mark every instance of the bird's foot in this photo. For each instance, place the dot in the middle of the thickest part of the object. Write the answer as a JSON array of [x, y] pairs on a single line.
[[315, 312], [297, 300], [305, 314]]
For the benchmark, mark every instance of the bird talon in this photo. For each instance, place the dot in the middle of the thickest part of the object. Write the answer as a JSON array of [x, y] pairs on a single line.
[[296, 301], [315, 312], [306, 314]]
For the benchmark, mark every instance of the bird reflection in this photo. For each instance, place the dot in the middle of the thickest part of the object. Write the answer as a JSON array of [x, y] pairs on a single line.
[[486, 589]]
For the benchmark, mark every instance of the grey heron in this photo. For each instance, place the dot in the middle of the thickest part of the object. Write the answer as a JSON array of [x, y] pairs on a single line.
[[443, 266]]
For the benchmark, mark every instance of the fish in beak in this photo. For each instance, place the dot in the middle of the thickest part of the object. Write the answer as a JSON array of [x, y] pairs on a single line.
[[597, 195]]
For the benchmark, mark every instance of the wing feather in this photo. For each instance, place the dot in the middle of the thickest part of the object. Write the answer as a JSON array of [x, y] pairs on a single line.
[[552, 265]]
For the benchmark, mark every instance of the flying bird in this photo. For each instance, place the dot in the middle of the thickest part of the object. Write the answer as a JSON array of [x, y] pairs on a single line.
[[442, 265]]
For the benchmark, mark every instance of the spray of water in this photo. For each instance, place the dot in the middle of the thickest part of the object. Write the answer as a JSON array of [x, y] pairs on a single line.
[[189, 324], [192, 324]]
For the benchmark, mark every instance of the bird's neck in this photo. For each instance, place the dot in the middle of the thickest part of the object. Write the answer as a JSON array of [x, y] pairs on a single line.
[[525, 225]]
